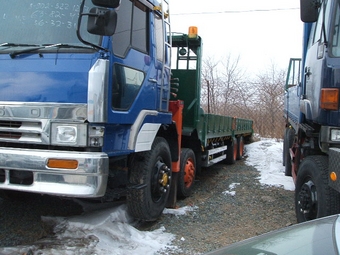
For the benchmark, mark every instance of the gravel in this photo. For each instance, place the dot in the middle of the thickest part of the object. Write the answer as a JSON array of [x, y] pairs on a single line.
[[20, 219], [228, 205]]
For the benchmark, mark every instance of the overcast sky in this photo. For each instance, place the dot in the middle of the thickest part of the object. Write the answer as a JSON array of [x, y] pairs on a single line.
[[261, 32]]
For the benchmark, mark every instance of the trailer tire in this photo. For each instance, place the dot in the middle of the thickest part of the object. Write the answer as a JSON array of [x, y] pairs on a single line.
[[287, 144], [240, 148], [187, 173], [149, 181], [231, 151], [314, 198]]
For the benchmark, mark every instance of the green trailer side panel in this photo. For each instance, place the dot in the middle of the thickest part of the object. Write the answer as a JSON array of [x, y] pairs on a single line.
[[215, 126], [243, 126]]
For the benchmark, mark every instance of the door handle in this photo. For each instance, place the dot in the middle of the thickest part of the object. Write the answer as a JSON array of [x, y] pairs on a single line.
[[153, 80], [307, 71]]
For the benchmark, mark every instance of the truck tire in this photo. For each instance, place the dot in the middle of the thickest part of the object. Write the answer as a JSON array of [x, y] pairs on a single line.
[[313, 196], [240, 147], [187, 173], [231, 151], [149, 181], [287, 144], [284, 148]]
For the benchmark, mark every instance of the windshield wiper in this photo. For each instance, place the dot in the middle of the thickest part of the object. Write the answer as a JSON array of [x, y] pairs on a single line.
[[47, 46], [7, 44]]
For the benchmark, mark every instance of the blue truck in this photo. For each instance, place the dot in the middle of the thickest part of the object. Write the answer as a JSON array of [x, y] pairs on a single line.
[[311, 150], [91, 107]]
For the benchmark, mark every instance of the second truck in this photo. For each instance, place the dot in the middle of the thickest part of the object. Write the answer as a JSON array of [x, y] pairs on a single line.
[[311, 151], [92, 107]]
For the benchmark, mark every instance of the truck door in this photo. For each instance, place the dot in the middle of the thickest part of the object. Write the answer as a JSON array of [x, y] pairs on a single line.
[[131, 88], [162, 50], [314, 63]]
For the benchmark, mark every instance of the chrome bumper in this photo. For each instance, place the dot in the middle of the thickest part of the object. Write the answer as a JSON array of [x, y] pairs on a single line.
[[89, 179]]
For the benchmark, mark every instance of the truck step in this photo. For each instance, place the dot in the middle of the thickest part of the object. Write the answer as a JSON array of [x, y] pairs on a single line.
[[307, 128]]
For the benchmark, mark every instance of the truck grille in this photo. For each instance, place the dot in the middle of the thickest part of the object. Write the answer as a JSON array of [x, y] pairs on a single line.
[[10, 124], [21, 131], [10, 135]]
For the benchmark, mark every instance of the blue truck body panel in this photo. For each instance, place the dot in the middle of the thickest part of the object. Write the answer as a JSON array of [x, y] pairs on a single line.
[[318, 70], [59, 78]]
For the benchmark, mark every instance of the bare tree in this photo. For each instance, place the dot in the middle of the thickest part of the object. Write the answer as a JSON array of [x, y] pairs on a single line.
[[270, 91], [232, 77], [210, 84], [237, 96]]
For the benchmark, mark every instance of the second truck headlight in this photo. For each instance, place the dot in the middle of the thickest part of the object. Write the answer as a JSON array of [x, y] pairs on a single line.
[[335, 135]]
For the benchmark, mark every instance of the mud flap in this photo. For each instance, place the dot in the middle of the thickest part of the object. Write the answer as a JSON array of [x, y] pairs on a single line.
[[172, 199], [334, 167]]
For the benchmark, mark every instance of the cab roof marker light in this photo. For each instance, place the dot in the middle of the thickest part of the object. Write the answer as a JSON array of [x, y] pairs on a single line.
[[193, 32]]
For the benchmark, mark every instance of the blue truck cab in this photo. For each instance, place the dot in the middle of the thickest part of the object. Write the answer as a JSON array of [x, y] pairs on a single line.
[[311, 152], [83, 85]]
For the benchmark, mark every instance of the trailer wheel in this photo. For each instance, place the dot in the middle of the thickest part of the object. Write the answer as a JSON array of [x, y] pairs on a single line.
[[240, 147], [232, 151], [313, 196], [187, 173], [287, 144], [149, 178]]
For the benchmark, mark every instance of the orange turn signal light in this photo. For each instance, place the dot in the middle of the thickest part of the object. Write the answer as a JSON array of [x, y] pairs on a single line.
[[333, 176], [329, 99], [62, 163]]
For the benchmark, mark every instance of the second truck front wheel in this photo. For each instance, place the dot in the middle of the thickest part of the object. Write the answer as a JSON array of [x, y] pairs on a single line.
[[287, 144], [149, 181], [313, 196]]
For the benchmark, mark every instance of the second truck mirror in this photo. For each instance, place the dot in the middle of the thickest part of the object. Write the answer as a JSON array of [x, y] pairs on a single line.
[[309, 10]]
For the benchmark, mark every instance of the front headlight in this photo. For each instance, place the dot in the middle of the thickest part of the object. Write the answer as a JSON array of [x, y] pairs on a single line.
[[335, 135], [69, 134]]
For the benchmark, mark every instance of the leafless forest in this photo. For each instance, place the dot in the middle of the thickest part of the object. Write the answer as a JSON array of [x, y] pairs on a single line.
[[227, 89]]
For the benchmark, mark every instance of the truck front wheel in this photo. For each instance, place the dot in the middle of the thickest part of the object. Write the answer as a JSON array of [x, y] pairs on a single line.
[[149, 181], [187, 173], [287, 144], [313, 196]]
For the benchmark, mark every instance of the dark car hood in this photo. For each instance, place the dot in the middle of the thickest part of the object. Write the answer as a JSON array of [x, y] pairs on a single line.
[[313, 237]]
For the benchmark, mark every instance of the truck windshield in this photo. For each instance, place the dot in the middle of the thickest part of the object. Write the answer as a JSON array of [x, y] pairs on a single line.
[[36, 22]]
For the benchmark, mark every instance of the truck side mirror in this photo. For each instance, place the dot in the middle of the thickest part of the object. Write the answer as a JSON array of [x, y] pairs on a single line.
[[309, 10], [102, 21], [107, 3]]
